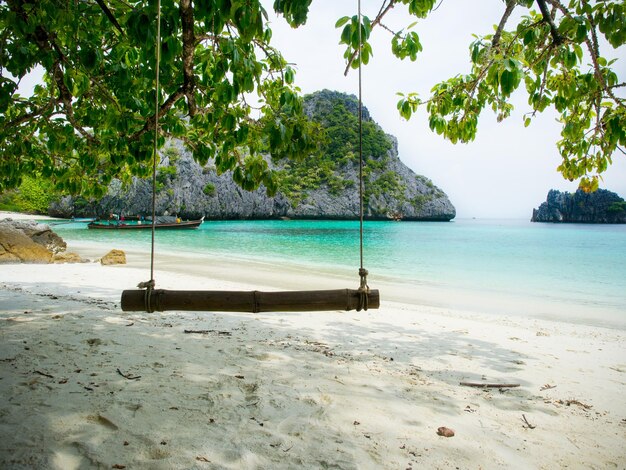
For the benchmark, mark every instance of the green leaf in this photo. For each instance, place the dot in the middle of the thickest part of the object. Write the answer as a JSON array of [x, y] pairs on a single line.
[[341, 21]]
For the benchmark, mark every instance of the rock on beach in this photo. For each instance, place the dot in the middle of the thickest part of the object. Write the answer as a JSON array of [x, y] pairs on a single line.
[[24, 241]]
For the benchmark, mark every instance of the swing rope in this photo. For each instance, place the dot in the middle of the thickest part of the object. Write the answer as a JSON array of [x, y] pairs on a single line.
[[363, 287], [149, 285], [152, 299]]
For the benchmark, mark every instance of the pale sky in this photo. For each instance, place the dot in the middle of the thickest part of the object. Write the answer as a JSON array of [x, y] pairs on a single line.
[[506, 171]]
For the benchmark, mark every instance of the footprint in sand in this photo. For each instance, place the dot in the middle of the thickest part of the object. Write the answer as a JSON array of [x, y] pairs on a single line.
[[250, 393], [158, 453]]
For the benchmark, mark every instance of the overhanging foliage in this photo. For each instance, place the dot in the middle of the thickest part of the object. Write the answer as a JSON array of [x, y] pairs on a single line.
[[93, 117]]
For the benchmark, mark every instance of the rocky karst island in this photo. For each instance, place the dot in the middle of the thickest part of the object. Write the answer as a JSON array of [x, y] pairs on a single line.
[[599, 207], [323, 186]]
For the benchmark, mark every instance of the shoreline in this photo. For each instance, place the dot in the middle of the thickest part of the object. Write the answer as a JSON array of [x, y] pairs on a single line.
[[277, 274], [22, 216], [262, 274]]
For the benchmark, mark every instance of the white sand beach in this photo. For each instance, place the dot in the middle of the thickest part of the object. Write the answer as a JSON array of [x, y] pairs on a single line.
[[85, 385]]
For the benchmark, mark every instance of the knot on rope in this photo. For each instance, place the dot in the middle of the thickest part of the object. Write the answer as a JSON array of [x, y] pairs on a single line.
[[149, 286], [146, 284], [364, 290]]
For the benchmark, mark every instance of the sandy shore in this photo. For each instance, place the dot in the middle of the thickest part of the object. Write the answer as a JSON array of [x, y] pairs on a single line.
[[19, 216], [84, 385]]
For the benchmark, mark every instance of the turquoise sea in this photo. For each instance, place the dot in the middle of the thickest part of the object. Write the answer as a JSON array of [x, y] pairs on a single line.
[[569, 271]]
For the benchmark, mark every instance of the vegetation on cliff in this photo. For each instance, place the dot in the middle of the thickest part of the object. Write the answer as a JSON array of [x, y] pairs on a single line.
[[33, 196], [338, 157]]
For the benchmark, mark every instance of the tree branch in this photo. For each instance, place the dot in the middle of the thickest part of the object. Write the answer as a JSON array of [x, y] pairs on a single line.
[[109, 15], [66, 99], [189, 45], [558, 39], [37, 112], [375, 23], [510, 6], [151, 121]]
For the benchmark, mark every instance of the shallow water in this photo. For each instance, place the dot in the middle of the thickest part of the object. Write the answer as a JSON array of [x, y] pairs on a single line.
[[579, 266]]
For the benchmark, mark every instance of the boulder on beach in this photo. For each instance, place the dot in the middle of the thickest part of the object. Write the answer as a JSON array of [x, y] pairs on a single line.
[[23, 241], [17, 247], [113, 257]]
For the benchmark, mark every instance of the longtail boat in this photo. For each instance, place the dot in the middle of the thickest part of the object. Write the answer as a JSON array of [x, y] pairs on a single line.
[[168, 224]]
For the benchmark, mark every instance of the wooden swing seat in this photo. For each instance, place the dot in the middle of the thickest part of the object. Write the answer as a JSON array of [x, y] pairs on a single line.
[[161, 300]]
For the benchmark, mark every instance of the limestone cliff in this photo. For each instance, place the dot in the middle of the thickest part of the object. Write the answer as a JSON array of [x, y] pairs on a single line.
[[320, 187], [599, 207]]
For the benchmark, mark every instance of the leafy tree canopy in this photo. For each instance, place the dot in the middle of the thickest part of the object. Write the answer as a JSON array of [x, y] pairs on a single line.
[[93, 116]]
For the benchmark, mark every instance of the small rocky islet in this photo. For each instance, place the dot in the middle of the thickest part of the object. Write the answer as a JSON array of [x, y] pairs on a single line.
[[598, 207]]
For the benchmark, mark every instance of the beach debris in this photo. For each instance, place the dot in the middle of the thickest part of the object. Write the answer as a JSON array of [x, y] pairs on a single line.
[[445, 432], [543, 333], [44, 374], [489, 385], [118, 466], [257, 421], [200, 458], [128, 376], [126, 443], [240, 377], [547, 387], [206, 332], [575, 402], [527, 425], [320, 347], [469, 409]]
